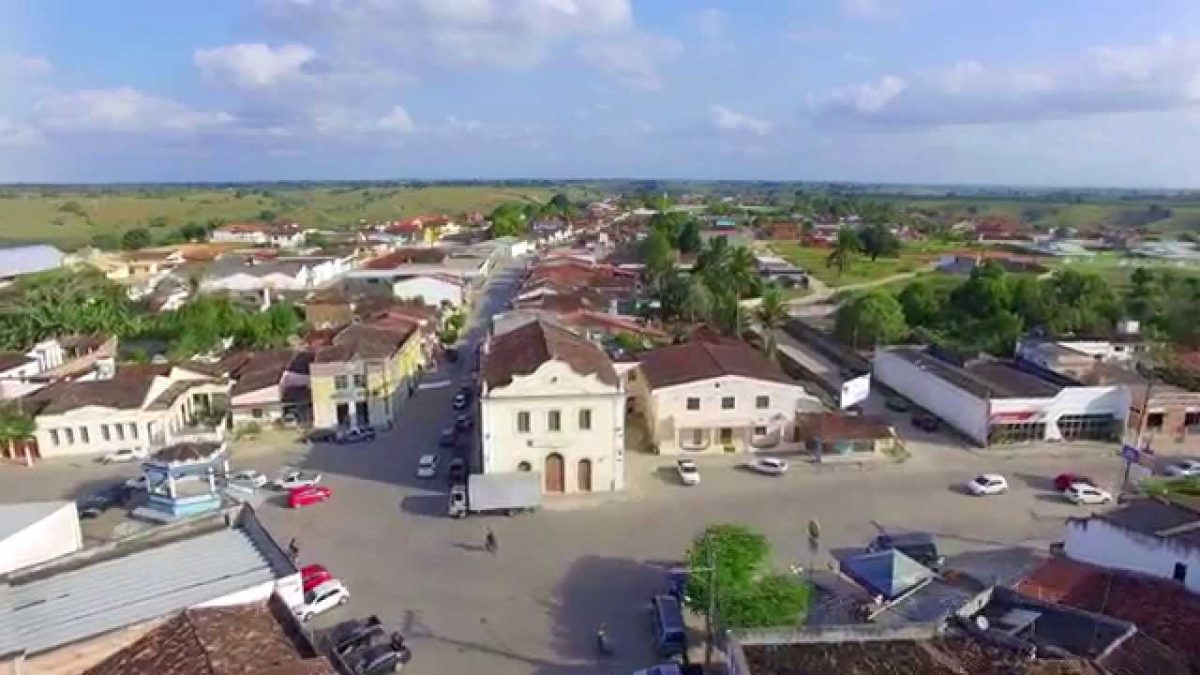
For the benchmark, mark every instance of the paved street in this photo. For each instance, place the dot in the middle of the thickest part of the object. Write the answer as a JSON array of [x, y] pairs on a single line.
[[535, 605]]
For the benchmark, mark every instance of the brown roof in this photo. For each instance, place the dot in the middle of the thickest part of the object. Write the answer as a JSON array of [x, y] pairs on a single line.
[[523, 350], [706, 358], [406, 256], [830, 426], [127, 389], [252, 371], [240, 640], [364, 341], [1161, 609], [10, 360]]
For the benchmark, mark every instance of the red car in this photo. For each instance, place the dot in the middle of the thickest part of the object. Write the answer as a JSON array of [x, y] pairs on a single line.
[[303, 496], [1065, 480], [314, 575]]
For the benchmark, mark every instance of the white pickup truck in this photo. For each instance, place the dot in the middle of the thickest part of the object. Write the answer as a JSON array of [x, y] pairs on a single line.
[[294, 478]]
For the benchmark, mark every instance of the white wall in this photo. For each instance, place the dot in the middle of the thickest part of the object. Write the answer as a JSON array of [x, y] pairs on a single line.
[[1114, 400], [55, 535], [254, 594], [431, 290], [554, 386], [1100, 543], [957, 407]]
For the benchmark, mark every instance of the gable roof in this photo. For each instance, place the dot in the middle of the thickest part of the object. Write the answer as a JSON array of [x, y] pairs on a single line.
[[125, 390], [705, 358], [406, 256], [888, 573], [10, 360], [252, 371], [523, 350], [365, 341]]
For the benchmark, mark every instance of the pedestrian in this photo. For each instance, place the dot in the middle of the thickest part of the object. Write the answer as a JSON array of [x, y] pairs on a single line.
[[489, 542], [293, 550]]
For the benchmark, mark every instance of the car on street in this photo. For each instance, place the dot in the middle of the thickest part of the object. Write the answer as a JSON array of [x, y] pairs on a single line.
[[926, 421], [1185, 469], [1082, 493], [427, 466], [689, 473], [103, 499], [355, 435], [920, 546], [448, 438], [124, 455], [321, 599], [306, 496], [1065, 480], [461, 400], [897, 404], [312, 576], [355, 634], [771, 466], [456, 470], [988, 484], [463, 422], [249, 477], [290, 479], [377, 659]]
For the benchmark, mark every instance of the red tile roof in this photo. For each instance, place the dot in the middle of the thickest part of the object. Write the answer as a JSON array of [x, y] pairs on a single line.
[[834, 426], [406, 256], [706, 358], [523, 350]]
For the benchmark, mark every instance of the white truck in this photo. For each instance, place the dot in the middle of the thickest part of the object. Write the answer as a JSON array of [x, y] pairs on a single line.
[[507, 493]]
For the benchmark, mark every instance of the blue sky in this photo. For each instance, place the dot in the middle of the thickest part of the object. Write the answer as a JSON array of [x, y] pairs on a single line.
[[1070, 92]]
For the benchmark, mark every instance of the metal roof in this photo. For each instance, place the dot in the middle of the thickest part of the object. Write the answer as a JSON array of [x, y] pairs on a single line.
[[17, 517], [48, 612], [18, 260]]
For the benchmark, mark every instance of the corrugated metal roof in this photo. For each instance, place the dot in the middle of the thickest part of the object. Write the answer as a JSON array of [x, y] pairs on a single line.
[[17, 517], [17, 260], [74, 605]]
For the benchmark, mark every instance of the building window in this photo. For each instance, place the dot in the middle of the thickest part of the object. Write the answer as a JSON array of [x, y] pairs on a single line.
[[84, 436], [120, 431], [726, 436], [360, 381], [1180, 573], [727, 403], [697, 436], [104, 433], [524, 466], [585, 420], [523, 422], [69, 434], [554, 421], [133, 431], [340, 382], [760, 431], [1154, 421], [1191, 420], [693, 403], [54, 436], [257, 413], [762, 402]]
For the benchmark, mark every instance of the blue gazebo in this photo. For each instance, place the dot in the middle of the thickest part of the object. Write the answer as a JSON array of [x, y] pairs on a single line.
[[888, 573], [181, 480]]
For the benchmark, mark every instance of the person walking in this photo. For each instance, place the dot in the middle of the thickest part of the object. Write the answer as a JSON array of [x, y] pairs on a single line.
[[293, 550], [489, 542]]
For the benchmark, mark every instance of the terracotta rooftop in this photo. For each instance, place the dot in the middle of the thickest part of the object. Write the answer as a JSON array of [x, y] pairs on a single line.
[[10, 360], [406, 256], [704, 358], [829, 426], [251, 371], [125, 390], [240, 640], [364, 341], [523, 350]]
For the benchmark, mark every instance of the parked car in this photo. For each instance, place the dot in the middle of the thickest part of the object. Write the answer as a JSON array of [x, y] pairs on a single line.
[[897, 404], [379, 658], [448, 437], [1065, 480], [926, 421], [103, 499], [427, 466], [312, 576], [689, 473], [461, 399], [305, 496], [354, 634], [456, 470], [322, 599], [124, 455], [250, 477], [988, 484], [355, 435], [919, 546], [290, 479], [1185, 469], [670, 633], [463, 422], [771, 466], [321, 436], [1082, 493]]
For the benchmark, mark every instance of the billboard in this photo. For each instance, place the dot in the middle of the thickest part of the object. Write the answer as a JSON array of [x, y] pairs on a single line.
[[855, 390]]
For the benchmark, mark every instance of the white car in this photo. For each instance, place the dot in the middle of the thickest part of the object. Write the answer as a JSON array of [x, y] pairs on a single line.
[[124, 455], [1185, 469], [1082, 493], [249, 477], [427, 466], [770, 466], [988, 484], [321, 599], [689, 473], [291, 479]]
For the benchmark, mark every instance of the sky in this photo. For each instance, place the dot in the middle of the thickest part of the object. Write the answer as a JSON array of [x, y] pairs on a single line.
[[1024, 92]]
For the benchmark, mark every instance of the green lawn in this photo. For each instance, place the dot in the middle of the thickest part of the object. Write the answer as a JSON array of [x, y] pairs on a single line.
[[814, 260], [28, 214]]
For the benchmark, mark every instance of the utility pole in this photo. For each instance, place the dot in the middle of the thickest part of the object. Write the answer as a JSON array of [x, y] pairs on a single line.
[[712, 603], [1143, 418]]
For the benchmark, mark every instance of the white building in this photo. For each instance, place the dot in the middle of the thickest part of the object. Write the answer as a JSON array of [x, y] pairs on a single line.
[[17, 368], [998, 401], [434, 290], [282, 235], [278, 274], [34, 532], [1157, 538], [714, 395], [552, 402]]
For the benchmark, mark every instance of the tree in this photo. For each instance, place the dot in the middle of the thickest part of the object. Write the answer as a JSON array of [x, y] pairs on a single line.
[[698, 301], [872, 318], [15, 425], [106, 241], [742, 271], [316, 239], [921, 303], [658, 258], [193, 232], [560, 203], [727, 314], [771, 313], [844, 250], [878, 240], [267, 216], [508, 220], [731, 574], [688, 240], [158, 221], [138, 237]]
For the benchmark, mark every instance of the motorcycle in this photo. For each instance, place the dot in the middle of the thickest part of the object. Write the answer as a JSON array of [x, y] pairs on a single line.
[[603, 646]]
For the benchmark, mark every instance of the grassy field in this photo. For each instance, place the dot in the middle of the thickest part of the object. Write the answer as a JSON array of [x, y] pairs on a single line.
[[70, 218], [814, 260], [1184, 216]]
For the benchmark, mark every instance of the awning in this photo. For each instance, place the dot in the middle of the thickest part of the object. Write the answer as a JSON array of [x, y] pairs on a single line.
[[1014, 417]]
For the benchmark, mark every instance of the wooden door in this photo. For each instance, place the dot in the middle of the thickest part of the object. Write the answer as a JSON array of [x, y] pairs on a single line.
[[585, 475], [554, 473]]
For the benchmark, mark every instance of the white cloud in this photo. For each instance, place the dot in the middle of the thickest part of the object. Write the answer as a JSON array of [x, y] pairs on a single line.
[[455, 125], [1164, 75], [16, 134], [396, 120], [633, 60], [863, 9], [711, 23], [727, 120], [19, 67], [124, 110], [254, 65]]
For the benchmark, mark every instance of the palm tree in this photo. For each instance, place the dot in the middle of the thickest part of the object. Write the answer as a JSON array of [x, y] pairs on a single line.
[[742, 271], [15, 426], [844, 249], [698, 302], [771, 313]]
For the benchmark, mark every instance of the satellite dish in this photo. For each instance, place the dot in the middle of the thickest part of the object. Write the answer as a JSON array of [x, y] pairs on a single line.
[[981, 622]]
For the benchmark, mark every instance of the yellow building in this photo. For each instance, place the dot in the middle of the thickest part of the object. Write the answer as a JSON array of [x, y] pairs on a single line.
[[364, 377]]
